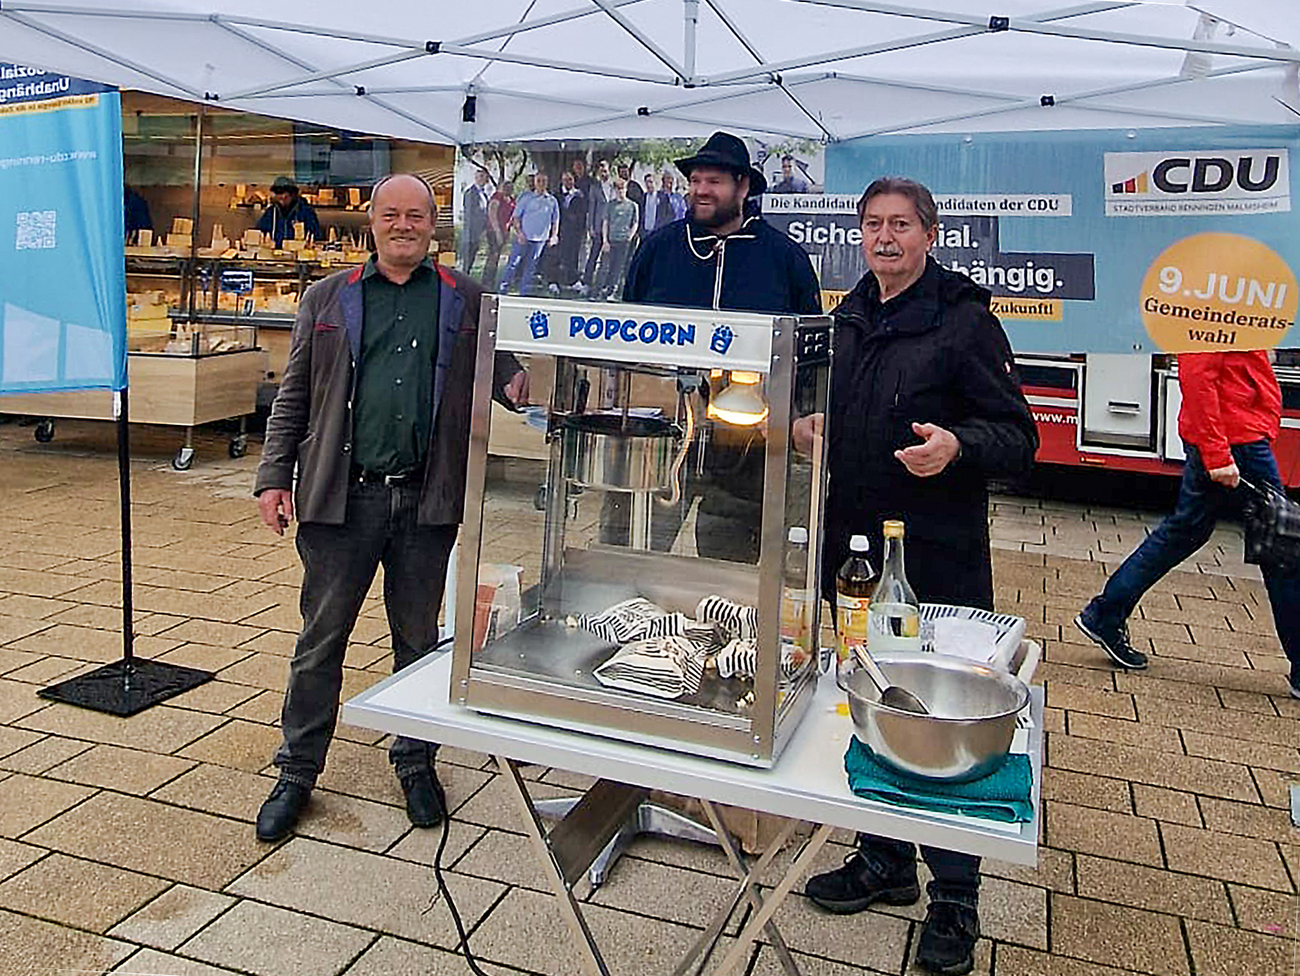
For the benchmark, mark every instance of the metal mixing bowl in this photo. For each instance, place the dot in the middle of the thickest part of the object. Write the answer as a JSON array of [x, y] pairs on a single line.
[[972, 716]]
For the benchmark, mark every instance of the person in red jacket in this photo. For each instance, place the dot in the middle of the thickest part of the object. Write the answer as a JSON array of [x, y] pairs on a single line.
[[1231, 413]]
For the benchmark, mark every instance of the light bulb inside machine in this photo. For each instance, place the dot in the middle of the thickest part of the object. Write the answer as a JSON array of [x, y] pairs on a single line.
[[740, 403]]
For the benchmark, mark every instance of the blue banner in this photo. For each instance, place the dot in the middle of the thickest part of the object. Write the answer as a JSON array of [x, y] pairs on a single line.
[[62, 286], [1116, 241]]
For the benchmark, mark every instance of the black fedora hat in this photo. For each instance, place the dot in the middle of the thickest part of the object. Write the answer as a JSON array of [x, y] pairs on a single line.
[[725, 151]]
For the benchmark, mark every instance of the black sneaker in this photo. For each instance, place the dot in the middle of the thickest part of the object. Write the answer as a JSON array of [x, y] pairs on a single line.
[[948, 938], [1114, 643], [855, 886]]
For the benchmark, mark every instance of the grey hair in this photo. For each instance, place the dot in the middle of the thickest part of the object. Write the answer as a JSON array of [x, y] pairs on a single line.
[[918, 193]]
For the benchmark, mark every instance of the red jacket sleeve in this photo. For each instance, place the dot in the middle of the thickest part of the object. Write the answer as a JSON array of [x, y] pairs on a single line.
[[1200, 419]]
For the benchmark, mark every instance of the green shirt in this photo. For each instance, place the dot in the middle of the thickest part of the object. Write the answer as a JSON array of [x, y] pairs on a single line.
[[393, 411], [622, 216]]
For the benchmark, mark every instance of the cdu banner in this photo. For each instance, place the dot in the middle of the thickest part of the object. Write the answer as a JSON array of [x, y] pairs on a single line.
[[1111, 241], [62, 289]]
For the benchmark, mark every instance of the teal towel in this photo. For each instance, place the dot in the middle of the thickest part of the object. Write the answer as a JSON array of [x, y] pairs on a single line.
[[1002, 795]]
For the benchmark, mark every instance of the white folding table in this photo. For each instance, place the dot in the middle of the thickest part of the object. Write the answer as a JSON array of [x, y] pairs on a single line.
[[808, 783]]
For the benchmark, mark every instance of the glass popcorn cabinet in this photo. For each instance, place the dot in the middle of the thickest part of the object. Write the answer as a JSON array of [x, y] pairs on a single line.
[[642, 559]]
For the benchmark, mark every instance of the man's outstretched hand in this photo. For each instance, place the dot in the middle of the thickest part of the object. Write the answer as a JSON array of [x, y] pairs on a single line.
[[929, 458]]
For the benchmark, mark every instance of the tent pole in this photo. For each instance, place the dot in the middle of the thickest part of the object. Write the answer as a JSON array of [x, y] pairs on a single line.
[[193, 263], [692, 14]]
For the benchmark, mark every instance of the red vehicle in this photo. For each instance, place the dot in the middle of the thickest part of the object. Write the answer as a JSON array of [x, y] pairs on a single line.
[[1121, 411]]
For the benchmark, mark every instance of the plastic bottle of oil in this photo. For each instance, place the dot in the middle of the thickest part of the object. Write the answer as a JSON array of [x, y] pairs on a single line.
[[894, 614], [854, 584], [794, 591]]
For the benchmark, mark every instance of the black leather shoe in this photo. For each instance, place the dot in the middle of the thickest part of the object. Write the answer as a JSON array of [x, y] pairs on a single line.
[[426, 804], [855, 887], [948, 938], [281, 811]]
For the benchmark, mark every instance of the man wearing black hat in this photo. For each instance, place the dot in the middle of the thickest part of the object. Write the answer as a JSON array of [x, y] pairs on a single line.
[[718, 257], [287, 209]]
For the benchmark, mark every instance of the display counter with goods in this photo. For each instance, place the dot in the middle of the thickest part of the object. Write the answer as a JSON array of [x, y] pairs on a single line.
[[180, 375]]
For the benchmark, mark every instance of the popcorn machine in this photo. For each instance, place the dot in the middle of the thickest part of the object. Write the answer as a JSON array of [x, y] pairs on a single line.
[[637, 580]]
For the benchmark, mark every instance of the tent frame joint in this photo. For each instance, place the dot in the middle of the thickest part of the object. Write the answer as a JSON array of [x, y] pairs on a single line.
[[997, 24], [432, 47]]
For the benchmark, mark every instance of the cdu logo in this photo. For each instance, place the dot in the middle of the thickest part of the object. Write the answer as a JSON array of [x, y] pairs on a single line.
[[722, 339], [539, 325]]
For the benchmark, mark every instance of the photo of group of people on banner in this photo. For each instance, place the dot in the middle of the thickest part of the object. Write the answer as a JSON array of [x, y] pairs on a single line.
[[538, 219]]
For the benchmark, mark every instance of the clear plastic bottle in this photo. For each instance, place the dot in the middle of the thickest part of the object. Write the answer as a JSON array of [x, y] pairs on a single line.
[[795, 626], [894, 613], [854, 584]]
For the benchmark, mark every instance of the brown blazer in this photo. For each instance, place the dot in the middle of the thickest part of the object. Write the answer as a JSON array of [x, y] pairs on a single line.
[[310, 426]]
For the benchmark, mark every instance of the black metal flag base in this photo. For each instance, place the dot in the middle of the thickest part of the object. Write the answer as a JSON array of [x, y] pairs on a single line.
[[132, 684], [124, 688]]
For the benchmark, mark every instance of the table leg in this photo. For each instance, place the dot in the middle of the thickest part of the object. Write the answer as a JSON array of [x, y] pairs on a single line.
[[592, 962], [706, 943], [769, 905], [737, 858]]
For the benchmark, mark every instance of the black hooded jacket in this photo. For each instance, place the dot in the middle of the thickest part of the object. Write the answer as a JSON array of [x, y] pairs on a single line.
[[933, 354]]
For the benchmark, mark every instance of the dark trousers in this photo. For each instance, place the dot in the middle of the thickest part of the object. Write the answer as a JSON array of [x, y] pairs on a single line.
[[597, 244], [566, 265], [339, 563], [1201, 503], [956, 875], [610, 280], [493, 261], [469, 246]]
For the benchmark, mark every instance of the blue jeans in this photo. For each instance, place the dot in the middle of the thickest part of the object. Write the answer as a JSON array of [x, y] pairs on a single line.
[[1201, 502], [339, 564], [525, 253]]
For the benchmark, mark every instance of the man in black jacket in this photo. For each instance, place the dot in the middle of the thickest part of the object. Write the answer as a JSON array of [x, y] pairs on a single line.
[[717, 258], [927, 408]]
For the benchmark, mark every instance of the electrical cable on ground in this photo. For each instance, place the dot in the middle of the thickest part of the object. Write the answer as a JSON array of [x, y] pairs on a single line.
[[463, 944]]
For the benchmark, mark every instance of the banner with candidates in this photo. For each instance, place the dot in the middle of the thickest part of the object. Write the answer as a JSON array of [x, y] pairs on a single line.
[[62, 288], [1119, 241]]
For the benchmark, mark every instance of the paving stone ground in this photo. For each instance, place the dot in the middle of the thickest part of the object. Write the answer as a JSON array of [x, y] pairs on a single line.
[[127, 844]]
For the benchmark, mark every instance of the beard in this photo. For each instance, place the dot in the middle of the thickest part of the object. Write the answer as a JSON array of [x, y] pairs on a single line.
[[724, 212]]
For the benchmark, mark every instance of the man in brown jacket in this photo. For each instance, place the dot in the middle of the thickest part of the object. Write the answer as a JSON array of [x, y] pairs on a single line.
[[373, 413]]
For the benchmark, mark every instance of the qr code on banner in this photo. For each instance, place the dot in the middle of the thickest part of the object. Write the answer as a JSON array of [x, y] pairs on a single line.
[[36, 230]]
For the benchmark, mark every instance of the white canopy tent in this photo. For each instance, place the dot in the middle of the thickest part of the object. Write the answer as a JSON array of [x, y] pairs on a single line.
[[506, 70]]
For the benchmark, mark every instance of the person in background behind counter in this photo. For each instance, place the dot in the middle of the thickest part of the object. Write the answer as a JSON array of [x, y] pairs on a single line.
[[927, 408], [136, 213], [288, 208]]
